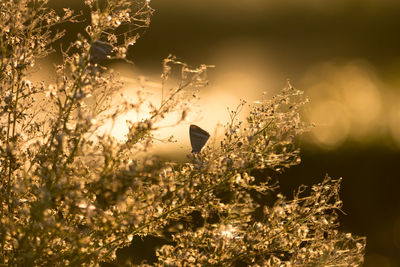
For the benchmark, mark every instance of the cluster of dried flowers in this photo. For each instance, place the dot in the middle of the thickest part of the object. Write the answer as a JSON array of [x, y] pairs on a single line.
[[70, 196]]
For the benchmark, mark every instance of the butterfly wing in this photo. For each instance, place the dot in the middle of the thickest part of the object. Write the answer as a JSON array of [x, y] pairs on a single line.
[[198, 138], [99, 51]]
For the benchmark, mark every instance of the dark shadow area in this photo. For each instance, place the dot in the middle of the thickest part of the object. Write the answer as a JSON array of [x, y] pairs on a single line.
[[369, 191]]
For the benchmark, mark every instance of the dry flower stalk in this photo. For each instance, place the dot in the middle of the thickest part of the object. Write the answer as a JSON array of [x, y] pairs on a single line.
[[71, 197]]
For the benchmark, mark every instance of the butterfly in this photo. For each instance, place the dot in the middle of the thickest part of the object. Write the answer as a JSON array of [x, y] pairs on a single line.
[[99, 51], [198, 138]]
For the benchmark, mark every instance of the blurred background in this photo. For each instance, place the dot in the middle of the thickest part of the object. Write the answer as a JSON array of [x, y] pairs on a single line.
[[344, 54]]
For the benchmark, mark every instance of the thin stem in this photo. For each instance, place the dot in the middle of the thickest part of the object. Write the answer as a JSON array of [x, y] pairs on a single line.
[[16, 105], [165, 214], [264, 128], [180, 88]]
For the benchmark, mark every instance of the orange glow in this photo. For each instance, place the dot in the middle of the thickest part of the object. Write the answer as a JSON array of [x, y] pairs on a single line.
[[332, 123], [346, 99], [345, 102], [394, 121]]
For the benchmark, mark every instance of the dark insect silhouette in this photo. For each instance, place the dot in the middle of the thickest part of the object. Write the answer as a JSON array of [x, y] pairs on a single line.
[[198, 138]]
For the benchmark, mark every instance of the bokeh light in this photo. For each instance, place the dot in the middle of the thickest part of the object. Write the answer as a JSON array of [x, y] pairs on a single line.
[[344, 54], [346, 103], [394, 120]]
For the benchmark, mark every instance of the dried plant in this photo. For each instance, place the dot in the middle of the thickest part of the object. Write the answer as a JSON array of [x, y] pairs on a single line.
[[70, 195]]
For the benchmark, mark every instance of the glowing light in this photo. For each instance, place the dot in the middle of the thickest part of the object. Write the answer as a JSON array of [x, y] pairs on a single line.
[[394, 122], [354, 105], [362, 100], [86, 206], [332, 123], [228, 231]]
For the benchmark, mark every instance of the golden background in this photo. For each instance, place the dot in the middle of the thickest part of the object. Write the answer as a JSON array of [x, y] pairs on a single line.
[[344, 54]]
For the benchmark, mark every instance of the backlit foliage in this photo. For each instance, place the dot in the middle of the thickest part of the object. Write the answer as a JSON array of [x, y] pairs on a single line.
[[71, 195]]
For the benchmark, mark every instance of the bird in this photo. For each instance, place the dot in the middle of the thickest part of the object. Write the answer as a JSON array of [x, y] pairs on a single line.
[[198, 138]]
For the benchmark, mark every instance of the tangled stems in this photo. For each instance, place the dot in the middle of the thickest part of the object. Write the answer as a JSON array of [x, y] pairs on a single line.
[[72, 195]]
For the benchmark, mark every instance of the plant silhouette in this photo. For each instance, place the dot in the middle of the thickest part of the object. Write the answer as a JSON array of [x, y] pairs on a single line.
[[73, 196]]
